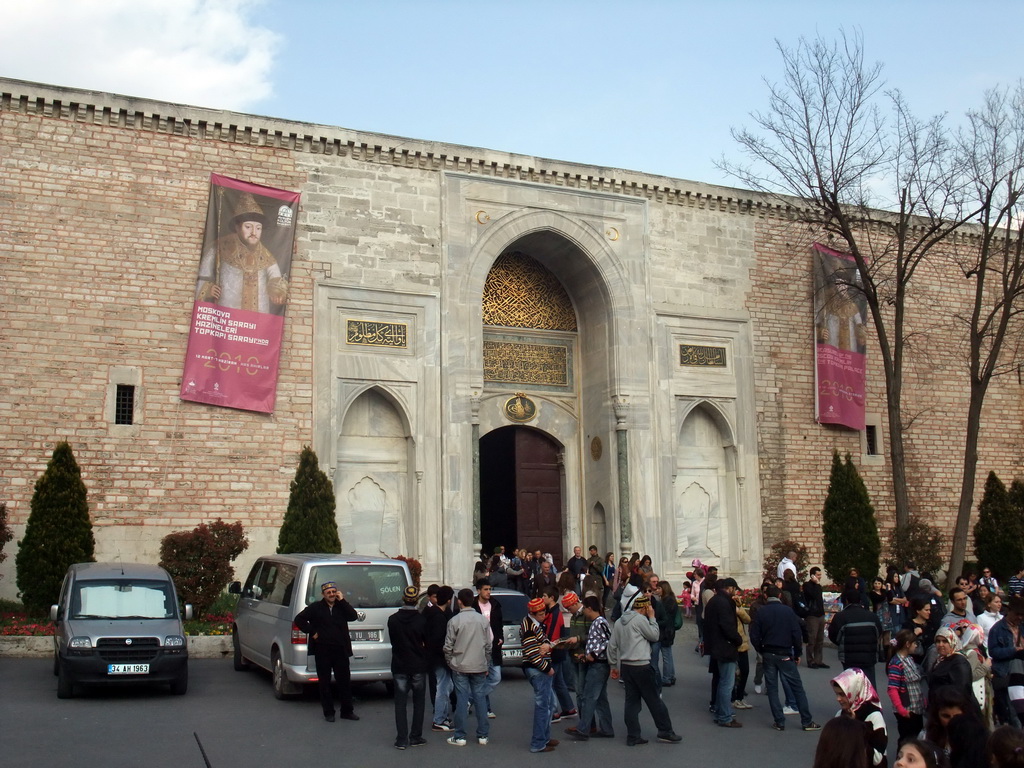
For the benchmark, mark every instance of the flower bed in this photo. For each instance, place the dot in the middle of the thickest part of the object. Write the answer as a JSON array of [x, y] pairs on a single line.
[[20, 624]]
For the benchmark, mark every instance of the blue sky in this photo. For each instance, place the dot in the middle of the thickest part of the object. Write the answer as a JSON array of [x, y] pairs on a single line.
[[651, 86]]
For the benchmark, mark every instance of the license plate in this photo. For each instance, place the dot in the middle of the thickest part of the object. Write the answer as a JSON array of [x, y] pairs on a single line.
[[127, 669], [513, 653], [365, 635]]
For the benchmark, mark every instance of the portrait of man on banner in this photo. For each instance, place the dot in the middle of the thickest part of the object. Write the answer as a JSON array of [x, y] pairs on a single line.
[[241, 293], [840, 314], [237, 269]]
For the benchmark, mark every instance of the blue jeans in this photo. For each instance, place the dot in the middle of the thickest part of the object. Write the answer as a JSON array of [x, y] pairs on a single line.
[[778, 667], [594, 699], [723, 696], [442, 700], [493, 678], [668, 664], [655, 658], [471, 686], [541, 682], [561, 700], [403, 685]]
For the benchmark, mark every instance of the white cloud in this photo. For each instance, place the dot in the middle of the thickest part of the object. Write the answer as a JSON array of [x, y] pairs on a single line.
[[200, 52]]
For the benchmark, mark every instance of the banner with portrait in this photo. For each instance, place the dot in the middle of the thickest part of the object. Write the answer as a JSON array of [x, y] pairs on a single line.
[[241, 293], [840, 338]]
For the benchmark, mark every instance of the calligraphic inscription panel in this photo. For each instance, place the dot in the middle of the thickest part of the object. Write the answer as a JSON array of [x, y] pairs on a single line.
[[369, 333], [520, 292], [511, 362], [704, 357]]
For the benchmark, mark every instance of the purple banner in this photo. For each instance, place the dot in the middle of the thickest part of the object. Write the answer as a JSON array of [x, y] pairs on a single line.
[[234, 343], [840, 311]]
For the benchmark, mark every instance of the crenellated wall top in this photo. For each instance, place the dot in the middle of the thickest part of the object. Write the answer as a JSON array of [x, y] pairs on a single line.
[[202, 124]]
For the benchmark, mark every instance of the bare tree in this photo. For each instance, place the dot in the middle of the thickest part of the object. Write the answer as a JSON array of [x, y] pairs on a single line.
[[992, 152], [880, 184]]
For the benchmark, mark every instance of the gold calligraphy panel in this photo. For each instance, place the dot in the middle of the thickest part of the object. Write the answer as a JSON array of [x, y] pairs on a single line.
[[706, 357], [511, 362], [373, 334], [520, 292]]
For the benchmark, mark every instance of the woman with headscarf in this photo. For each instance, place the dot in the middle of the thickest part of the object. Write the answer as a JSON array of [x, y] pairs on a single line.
[[951, 667], [857, 699], [972, 642]]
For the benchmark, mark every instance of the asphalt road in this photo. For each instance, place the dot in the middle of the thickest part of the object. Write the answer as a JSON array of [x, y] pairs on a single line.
[[240, 724]]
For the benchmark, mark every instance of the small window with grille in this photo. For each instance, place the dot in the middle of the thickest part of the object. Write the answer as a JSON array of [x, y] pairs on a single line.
[[124, 404], [871, 439]]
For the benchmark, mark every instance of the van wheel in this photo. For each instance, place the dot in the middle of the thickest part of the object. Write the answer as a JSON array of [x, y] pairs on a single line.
[[179, 685], [241, 663], [282, 690], [65, 688]]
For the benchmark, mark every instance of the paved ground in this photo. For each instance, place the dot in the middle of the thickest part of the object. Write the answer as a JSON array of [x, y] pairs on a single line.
[[241, 724]]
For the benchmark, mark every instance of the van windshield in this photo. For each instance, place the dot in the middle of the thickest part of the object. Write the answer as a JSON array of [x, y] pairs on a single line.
[[123, 599], [364, 586]]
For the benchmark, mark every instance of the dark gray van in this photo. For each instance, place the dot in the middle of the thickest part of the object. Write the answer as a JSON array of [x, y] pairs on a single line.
[[280, 586], [118, 623]]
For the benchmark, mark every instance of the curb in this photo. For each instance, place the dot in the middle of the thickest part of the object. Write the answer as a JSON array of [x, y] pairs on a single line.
[[37, 647]]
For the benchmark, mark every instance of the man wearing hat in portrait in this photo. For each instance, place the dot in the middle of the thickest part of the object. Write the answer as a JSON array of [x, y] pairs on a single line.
[[407, 628], [238, 271], [326, 623]]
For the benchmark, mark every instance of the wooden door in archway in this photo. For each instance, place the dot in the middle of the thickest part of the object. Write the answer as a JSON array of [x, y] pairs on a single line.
[[521, 491]]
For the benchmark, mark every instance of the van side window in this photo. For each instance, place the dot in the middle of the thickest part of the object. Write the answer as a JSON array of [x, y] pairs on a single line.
[[267, 579], [249, 590], [281, 592]]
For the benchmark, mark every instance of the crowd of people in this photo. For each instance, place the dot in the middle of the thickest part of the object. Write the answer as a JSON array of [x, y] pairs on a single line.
[[953, 671]]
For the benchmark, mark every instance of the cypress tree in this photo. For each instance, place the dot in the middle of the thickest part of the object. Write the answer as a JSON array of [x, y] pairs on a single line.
[[58, 532], [309, 524], [848, 524], [998, 532]]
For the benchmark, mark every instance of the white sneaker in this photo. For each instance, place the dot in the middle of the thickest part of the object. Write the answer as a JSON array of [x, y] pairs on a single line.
[[456, 742], [490, 715], [758, 688], [790, 711], [482, 741], [740, 704]]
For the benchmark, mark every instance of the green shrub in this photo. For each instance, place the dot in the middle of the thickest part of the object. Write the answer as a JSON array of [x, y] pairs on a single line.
[[200, 560], [998, 533], [778, 551], [849, 526], [309, 524], [920, 542], [58, 533]]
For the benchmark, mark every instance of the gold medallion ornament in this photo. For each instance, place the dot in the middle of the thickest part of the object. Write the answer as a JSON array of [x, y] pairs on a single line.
[[520, 408], [596, 449]]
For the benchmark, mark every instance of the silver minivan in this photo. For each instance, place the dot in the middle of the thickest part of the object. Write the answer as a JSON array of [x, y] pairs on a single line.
[[118, 623], [280, 586]]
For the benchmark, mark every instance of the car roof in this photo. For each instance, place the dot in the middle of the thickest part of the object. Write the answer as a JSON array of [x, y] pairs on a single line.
[[328, 558], [84, 571]]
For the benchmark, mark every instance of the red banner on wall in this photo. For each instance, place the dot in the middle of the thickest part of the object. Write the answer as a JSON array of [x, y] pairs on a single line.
[[840, 311], [234, 344]]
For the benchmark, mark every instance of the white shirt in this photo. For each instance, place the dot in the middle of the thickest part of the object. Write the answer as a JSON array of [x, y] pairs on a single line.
[[785, 565]]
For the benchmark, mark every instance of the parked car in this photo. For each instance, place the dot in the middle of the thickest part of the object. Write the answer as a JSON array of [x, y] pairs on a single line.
[[280, 586], [118, 623], [513, 611]]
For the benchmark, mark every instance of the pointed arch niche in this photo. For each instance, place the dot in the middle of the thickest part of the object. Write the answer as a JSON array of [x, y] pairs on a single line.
[[371, 483], [704, 485]]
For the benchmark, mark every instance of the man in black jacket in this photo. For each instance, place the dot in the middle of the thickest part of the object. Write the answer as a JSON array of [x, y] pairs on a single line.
[[775, 634], [722, 641], [407, 629], [491, 610], [437, 615], [814, 602], [326, 622], [855, 631]]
